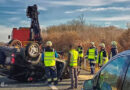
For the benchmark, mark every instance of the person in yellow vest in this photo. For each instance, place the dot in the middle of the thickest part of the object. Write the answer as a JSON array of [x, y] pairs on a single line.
[[102, 55], [48, 58], [80, 51], [91, 55], [73, 64]]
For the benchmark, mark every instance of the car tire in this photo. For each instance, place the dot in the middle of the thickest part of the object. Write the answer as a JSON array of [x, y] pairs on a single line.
[[32, 50]]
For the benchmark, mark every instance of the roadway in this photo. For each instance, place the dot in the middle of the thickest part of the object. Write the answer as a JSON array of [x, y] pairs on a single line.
[[7, 84]]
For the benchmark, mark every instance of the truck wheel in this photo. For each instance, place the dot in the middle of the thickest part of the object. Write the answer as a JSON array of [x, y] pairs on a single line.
[[32, 50]]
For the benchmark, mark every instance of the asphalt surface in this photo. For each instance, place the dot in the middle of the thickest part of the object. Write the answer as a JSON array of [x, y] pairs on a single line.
[[7, 84]]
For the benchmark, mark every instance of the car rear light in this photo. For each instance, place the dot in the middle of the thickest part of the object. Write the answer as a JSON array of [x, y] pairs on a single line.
[[30, 79], [12, 55], [12, 60]]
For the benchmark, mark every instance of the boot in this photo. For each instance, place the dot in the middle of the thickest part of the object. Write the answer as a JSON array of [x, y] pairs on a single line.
[[55, 82]]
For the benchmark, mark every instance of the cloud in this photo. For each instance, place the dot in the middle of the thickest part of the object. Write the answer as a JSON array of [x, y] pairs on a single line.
[[4, 32], [110, 24], [117, 26], [10, 12], [98, 9], [41, 8], [13, 19], [79, 3], [15, 0], [119, 18], [25, 23], [2, 1], [86, 2]]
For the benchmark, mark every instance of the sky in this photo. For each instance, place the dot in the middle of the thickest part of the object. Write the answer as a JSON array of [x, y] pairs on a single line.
[[55, 12]]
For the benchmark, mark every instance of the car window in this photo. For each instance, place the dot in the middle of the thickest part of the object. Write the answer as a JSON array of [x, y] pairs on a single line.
[[126, 85], [109, 76]]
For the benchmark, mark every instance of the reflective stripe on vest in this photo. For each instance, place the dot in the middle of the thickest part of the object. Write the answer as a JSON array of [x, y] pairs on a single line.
[[80, 54], [91, 53], [73, 58], [49, 59], [102, 61]]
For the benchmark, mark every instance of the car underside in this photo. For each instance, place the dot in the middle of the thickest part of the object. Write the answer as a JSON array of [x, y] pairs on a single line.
[[24, 69]]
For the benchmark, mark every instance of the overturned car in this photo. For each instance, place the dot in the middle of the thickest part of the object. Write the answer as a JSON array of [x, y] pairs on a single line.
[[17, 64]]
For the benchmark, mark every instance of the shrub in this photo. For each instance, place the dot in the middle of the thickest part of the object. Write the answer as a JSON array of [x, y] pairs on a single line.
[[64, 35], [124, 40]]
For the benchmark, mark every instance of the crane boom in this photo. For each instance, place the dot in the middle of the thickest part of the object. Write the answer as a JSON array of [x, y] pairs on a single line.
[[33, 13]]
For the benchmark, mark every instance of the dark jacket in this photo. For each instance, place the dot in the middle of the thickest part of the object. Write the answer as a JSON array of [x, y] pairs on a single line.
[[114, 51]]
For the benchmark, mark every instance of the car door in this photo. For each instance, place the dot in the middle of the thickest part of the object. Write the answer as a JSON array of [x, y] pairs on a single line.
[[126, 84], [110, 76]]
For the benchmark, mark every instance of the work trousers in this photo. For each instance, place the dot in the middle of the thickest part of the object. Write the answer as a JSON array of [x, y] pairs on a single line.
[[92, 66], [80, 61], [79, 64], [51, 74], [74, 78]]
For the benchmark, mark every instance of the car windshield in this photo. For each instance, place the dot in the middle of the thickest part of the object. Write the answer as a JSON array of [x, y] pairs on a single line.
[[109, 76], [126, 85]]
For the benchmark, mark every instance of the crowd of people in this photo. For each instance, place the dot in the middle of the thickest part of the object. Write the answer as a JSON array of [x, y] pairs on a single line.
[[75, 59]]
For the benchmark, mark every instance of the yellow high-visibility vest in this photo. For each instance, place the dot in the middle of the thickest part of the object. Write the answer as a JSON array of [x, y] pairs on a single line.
[[73, 58], [102, 62], [80, 50], [49, 59], [91, 53]]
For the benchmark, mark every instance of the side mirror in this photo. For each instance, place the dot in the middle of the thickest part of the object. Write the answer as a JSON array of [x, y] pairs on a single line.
[[8, 36], [88, 84]]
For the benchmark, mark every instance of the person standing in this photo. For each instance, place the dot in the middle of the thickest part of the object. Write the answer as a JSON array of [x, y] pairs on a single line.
[[73, 63], [91, 55], [48, 58], [114, 49], [102, 55], [80, 52]]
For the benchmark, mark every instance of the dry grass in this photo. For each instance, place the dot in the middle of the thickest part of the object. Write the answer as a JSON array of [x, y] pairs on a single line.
[[124, 40], [64, 35]]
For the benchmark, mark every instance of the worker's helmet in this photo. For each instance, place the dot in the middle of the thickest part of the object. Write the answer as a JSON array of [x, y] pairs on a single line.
[[102, 45], [92, 43], [114, 43], [49, 43]]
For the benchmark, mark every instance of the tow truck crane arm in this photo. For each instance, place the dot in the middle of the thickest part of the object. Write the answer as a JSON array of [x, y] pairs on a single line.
[[33, 13]]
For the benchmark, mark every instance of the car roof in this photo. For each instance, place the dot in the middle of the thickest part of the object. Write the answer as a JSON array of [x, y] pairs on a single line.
[[127, 52], [124, 53]]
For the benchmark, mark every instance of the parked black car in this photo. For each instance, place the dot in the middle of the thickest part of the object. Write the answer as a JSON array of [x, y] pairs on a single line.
[[115, 75]]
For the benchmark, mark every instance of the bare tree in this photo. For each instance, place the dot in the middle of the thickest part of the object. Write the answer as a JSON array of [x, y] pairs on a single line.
[[82, 19], [78, 23]]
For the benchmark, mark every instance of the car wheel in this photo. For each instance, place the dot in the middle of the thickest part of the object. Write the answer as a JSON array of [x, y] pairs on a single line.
[[32, 50]]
